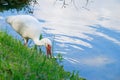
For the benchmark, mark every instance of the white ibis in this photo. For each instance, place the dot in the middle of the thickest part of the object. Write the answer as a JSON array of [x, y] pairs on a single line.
[[29, 28]]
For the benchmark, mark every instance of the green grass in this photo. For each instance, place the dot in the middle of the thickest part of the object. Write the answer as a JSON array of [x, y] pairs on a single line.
[[18, 62]]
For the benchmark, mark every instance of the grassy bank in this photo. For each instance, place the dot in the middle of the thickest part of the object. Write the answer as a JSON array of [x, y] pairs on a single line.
[[18, 62]]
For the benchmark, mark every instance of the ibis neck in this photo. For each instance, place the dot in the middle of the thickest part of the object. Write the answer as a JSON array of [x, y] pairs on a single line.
[[38, 42]]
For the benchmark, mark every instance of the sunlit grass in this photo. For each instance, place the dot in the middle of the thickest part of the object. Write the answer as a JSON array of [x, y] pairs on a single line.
[[18, 62]]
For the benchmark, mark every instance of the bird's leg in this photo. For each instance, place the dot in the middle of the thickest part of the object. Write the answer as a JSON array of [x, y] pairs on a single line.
[[25, 41]]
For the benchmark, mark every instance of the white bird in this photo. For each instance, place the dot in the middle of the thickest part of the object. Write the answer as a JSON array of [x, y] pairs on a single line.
[[29, 28]]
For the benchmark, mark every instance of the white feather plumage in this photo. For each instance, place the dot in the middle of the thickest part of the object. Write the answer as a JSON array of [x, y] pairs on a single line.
[[29, 28]]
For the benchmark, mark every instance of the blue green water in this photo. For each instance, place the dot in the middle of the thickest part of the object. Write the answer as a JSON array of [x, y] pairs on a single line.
[[89, 40]]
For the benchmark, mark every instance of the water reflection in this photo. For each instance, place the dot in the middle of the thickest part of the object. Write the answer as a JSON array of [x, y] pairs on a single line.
[[88, 40], [17, 5]]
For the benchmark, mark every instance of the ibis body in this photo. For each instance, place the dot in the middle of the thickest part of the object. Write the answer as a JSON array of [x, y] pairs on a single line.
[[29, 28]]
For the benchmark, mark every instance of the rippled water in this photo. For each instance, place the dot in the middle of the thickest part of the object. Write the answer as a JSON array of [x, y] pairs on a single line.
[[88, 37]]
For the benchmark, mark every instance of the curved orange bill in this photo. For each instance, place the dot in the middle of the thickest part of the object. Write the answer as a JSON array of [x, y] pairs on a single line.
[[49, 52]]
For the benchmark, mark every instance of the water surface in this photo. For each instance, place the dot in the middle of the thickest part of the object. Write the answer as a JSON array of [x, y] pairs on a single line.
[[88, 37]]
